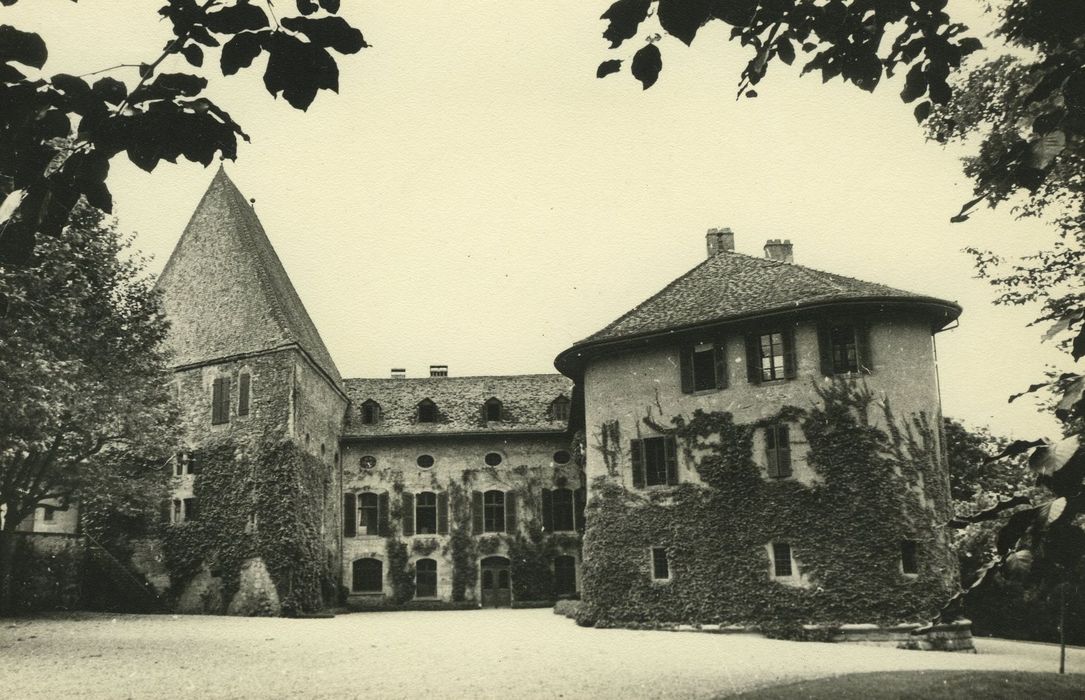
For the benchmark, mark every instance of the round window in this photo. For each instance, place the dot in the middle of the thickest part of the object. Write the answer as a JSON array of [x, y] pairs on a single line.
[[425, 461], [493, 459], [562, 457], [368, 462]]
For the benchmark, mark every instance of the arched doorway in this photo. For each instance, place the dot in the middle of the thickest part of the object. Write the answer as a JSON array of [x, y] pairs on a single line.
[[496, 582]]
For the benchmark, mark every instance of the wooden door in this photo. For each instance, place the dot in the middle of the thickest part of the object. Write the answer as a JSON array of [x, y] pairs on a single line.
[[496, 585]]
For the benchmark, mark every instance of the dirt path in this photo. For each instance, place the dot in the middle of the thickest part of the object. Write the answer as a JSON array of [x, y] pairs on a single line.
[[484, 653]]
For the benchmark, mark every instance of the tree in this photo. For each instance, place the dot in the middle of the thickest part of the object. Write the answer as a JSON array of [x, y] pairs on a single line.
[[82, 373], [59, 133]]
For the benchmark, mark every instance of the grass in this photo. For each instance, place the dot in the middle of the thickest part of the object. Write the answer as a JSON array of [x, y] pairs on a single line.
[[930, 684]]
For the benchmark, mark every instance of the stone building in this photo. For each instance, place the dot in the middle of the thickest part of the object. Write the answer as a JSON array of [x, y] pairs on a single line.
[[758, 443]]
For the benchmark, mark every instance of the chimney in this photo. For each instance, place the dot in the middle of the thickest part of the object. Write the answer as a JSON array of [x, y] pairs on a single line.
[[720, 240], [775, 249], [438, 370], [399, 373]]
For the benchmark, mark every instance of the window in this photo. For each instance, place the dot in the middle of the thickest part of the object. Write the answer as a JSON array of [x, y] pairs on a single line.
[[493, 511], [425, 461], [778, 450], [244, 389], [782, 565], [772, 356], [564, 576], [368, 462], [703, 366], [220, 401], [367, 575], [371, 412], [183, 464], [493, 459], [368, 513], [844, 348], [47, 513], [184, 510], [562, 457], [558, 510], [559, 408], [661, 568], [909, 557], [655, 461], [425, 578], [492, 409], [425, 509], [427, 411]]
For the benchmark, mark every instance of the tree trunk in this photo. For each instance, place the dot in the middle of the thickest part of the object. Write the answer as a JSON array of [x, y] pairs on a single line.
[[1062, 628], [7, 568]]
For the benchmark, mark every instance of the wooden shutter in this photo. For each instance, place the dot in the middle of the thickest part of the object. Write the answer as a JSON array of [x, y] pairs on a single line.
[[790, 362], [825, 348], [636, 454], [770, 452], [721, 363], [753, 358], [670, 447], [442, 513], [580, 497], [350, 515], [783, 450], [685, 364], [476, 512], [862, 347], [164, 507], [408, 514], [510, 512], [383, 525], [243, 394], [220, 401]]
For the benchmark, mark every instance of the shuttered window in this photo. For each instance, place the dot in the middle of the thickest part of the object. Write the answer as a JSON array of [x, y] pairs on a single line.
[[778, 450], [220, 401], [655, 461], [844, 348], [425, 509], [562, 503], [703, 366], [493, 511], [243, 391]]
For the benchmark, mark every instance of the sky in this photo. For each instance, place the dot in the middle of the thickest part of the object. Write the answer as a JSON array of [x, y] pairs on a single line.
[[475, 197]]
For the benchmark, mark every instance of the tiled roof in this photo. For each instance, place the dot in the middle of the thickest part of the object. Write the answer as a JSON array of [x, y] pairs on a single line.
[[225, 291], [525, 399], [731, 285]]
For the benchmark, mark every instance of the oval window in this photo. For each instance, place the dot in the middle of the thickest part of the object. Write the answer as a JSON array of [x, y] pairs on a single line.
[[425, 461], [493, 459], [368, 462], [562, 457]]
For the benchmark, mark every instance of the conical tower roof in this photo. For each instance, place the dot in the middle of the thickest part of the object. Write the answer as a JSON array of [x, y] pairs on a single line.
[[225, 291]]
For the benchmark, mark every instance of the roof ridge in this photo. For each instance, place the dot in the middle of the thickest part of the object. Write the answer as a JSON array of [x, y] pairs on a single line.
[[459, 377]]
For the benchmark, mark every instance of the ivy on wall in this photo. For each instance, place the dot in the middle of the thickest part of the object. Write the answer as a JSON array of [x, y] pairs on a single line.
[[264, 500], [876, 487]]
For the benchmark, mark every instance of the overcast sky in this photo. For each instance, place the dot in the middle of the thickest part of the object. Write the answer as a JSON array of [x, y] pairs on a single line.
[[475, 197]]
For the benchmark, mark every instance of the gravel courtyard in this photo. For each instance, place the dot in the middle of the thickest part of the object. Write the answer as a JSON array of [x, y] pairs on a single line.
[[484, 653]]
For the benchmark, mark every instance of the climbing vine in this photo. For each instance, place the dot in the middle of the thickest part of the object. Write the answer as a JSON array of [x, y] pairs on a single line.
[[874, 488], [263, 500]]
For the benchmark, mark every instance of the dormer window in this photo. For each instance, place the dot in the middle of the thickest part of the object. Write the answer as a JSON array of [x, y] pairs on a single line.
[[427, 411], [371, 412], [491, 410], [559, 408]]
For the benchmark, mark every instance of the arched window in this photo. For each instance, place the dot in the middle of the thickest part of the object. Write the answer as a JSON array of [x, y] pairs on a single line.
[[371, 412], [564, 576], [427, 411], [559, 408], [368, 513], [425, 578], [368, 575], [491, 410], [493, 511], [425, 513]]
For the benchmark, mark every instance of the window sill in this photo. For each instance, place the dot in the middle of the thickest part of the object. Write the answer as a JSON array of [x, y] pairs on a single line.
[[367, 594]]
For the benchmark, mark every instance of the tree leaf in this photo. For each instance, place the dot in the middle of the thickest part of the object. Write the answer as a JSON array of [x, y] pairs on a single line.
[[307, 7], [1070, 403], [330, 5], [915, 84], [22, 47], [298, 70], [1015, 448], [193, 54], [737, 13], [646, 65], [624, 16], [785, 50], [921, 112], [607, 67], [1050, 457], [682, 18], [240, 51], [331, 32], [110, 90], [233, 19]]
